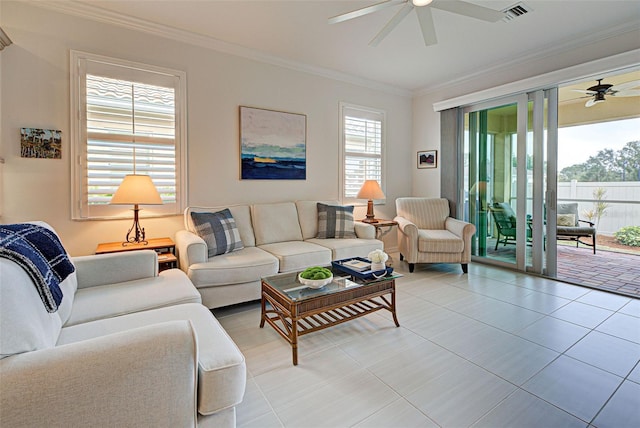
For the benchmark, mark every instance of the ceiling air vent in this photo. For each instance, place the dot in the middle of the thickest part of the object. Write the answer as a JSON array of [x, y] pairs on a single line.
[[515, 11]]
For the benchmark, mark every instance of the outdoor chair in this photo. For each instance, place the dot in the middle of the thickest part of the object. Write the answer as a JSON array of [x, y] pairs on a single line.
[[505, 220], [569, 228]]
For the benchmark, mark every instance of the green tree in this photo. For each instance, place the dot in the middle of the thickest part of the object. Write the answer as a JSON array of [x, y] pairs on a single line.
[[607, 165]]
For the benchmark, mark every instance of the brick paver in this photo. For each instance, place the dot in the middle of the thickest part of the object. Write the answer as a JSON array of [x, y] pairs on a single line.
[[608, 270]]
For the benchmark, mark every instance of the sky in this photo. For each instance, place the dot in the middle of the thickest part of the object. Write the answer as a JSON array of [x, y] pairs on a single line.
[[577, 143]]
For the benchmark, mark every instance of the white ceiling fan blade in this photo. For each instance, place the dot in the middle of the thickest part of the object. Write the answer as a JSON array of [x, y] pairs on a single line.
[[629, 93], [584, 91], [624, 86], [592, 102], [426, 25], [364, 11], [468, 9], [408, 7]]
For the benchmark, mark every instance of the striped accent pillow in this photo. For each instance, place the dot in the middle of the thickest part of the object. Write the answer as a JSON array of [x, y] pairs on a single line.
[[218, 230], [335, 221]]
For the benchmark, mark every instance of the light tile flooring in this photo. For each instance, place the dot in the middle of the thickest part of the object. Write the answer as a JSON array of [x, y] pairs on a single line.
[[493, 348]]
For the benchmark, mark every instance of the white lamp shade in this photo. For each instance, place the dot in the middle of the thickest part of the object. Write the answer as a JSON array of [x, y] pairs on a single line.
[[136, 190], [421, 2], [370, 190]]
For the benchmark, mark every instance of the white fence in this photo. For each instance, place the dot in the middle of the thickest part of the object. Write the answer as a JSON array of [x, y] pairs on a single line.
[[623, 199]]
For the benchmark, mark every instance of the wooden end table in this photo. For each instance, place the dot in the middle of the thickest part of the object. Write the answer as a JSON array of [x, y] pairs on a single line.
[[165, 247], [383, 227], [294, 310]]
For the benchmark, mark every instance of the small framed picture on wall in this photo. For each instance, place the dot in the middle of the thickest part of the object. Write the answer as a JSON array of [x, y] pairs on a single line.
[[428, 159]]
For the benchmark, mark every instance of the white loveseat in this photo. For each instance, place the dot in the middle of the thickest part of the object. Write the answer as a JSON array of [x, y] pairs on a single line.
[[278, 237], [126, 347]]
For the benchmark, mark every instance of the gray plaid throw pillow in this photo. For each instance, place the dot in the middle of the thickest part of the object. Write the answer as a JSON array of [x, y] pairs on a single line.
[[335, 221], [219, 231]]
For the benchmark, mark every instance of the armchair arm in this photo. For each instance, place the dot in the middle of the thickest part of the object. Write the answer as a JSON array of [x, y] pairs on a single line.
[[407, 239], [104, 269], [191, 249], [406, 227], [591, 224], [364, 230], [465, 231], [142, 377]]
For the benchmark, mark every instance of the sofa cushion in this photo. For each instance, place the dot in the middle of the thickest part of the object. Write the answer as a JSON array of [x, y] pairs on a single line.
[[275, 223], [246, 265], [335, 221], [25, 323], [308, 217], [345, 248], [218, 230], [241, 214], [298, 255], [439, 241], [566, 220], [221, 365], [171, 287]]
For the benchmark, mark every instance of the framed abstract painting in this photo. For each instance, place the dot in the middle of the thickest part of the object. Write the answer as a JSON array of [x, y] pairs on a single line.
[[272, 145]]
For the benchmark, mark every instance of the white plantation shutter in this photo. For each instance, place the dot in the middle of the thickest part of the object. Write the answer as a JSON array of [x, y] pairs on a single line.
[[130, 121], [363, 148]]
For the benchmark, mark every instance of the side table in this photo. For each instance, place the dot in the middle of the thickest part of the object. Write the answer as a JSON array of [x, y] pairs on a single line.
[[383, 227], [165, 247]]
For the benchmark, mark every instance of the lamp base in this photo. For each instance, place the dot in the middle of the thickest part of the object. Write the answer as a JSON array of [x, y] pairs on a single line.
[[371, 218], [138, 231]]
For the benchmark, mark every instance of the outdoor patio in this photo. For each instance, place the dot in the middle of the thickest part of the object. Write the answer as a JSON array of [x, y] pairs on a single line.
[[606, 270]]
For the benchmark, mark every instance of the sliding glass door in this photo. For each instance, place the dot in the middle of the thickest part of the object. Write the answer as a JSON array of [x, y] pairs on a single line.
[[506, 152]]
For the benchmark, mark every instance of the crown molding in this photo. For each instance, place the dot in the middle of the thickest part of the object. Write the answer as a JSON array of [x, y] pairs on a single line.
[[547, 51], [95, 13]]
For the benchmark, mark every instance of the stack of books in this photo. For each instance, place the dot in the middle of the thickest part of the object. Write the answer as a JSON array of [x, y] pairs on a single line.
[[357, 265]]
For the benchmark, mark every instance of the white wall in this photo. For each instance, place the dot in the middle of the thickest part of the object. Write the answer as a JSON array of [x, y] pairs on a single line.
[[35, 93]]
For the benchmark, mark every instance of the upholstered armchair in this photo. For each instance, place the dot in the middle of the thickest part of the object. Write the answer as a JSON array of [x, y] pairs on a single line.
[[427, 234]]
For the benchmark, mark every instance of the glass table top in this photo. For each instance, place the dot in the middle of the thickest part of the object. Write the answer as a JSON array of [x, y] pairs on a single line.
[[288, 284]]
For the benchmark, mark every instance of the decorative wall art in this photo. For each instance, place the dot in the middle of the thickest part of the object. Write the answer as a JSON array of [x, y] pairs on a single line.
[[40, 143], [428, 159], [272, 145]]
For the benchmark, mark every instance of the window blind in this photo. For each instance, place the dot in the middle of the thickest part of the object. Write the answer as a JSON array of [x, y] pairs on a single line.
[[362, 149], [130, 129]]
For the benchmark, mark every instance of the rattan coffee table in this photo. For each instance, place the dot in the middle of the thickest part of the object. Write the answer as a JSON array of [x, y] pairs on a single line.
[[294, 310]]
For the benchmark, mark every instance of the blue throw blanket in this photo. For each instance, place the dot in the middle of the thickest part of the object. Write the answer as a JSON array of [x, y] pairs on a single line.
[[41, 254]]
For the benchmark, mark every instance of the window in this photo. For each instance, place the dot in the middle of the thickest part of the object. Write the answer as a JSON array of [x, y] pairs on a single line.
[[130, 120], [363, 148]]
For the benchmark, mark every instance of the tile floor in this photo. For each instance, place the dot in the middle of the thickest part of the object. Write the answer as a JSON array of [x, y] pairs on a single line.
[[493, 348]]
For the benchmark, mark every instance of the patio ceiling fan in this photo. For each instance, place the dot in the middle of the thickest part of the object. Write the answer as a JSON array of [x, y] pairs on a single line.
[[423, 10], [598, 92]]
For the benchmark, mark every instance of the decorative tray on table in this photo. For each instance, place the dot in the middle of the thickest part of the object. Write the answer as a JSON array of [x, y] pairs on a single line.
[[360, 267]]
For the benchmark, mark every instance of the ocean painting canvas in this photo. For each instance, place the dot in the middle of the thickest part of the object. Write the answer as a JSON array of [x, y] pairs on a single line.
[[272, 144]]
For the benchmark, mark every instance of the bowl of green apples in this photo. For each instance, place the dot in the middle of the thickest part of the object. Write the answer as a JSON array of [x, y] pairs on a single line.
[[315, 277]]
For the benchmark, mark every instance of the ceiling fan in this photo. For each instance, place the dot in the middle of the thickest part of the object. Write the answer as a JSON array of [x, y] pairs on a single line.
[[599, 91], [423, 10]]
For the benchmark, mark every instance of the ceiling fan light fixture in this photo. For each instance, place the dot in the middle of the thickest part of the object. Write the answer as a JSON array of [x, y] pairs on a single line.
[[419, 3]]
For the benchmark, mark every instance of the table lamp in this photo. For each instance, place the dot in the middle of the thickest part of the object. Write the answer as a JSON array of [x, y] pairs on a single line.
[[370, 190], [136, 190]]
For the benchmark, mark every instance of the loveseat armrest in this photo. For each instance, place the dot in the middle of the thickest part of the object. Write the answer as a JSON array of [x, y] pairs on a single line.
[[364, 230], [103, 269], [191, 249], [141, 377]]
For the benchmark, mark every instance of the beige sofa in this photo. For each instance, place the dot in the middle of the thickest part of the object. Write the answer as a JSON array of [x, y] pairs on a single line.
[[427, 234], [278, 237], [126, 347]]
